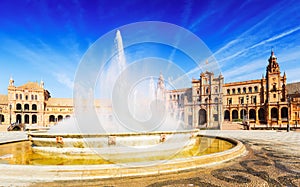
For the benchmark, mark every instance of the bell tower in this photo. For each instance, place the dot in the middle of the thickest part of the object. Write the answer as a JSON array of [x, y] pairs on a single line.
[[276, 105], [274, 84]]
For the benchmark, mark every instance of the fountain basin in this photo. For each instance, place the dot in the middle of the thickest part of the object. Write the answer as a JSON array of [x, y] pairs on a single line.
[[114, 147], [46, 173]]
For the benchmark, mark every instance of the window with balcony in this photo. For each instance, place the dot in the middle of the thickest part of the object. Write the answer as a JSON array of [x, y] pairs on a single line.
[[250, 89], [229, 101], [241, 99], [244, 90], [228, 91]]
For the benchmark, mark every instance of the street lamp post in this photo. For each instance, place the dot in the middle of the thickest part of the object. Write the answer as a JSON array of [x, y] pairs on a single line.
[[247, 113], [1, 116], [243, 112], [10, 113], [288, 116]]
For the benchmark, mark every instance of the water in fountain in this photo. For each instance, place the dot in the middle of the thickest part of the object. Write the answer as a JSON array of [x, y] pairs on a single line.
[[139, 101]]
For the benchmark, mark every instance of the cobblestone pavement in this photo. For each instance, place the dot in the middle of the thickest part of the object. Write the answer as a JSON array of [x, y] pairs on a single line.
[[273, 159], [13, 136]]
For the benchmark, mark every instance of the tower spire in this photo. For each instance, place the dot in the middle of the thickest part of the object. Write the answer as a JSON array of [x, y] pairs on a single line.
[[273, 66], [11, 81]]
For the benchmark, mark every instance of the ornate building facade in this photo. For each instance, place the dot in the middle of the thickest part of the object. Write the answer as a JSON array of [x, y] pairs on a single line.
[[31, 104], [262, 101], [268, 101]]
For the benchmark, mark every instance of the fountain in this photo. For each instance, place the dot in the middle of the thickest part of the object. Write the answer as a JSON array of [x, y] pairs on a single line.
[[120, 142]]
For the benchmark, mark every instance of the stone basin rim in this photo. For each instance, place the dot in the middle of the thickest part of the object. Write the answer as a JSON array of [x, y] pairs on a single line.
[[237, 146], [82, 135], [48, 173]]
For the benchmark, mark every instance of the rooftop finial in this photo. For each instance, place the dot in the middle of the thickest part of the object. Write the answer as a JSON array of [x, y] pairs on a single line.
[[42, 83], [11, 81], [272, 53]]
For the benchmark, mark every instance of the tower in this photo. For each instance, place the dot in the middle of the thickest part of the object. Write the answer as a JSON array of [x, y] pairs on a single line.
[[276, 105], [274, 84]]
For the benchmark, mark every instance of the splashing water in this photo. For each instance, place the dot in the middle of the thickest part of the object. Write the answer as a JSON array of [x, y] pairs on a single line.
[[139, 102]]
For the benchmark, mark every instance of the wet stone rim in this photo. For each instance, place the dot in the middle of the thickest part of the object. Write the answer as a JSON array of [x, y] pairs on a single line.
[[111, 171]]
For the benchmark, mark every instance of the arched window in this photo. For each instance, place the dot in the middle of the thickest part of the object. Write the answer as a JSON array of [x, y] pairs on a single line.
[[227, 115], [26, 107], [255, 88], [239, 90], [34, 119], [261, 115], [250, 89], [34, 107], [60, 117], [252, 114], [19, 106], [26, 119], [228, 91], [235, 114], [35, 97], [21, 96], [244, 90], [19, 118], [216, 100], [17, 96], [207, 90], [202, 117], [274, 114], [233, 91], [51, 118], [26, 97], [284, 114], [32, 97]]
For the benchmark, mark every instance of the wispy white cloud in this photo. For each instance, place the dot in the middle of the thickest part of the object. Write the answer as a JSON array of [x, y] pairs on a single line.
[[247, 71], [188, 4], [64, 79], [255, 68], [43, 58], [201, 19], [263, 42]]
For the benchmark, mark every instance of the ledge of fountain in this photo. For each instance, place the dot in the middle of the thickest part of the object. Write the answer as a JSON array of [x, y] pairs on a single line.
[[110, 171]]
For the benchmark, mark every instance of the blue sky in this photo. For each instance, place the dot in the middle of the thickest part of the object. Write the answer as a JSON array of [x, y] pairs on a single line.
[[46, 39]]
